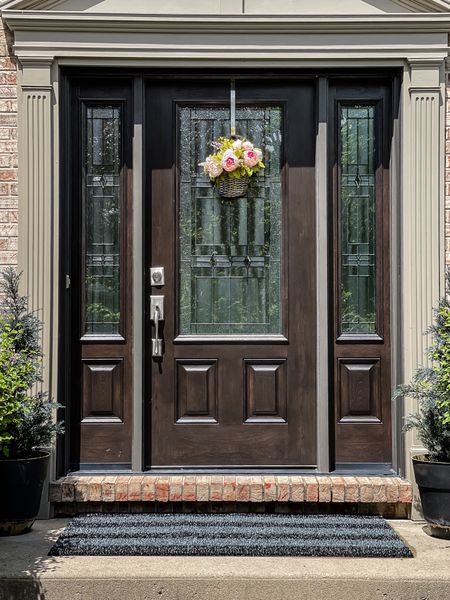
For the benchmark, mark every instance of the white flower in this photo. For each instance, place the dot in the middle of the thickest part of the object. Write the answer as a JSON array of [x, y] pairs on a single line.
[[237, 145], [215, 169]]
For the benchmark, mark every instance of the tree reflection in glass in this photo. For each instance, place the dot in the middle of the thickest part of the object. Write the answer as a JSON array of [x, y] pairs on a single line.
[[230, 250], [358, 219], [101, 215]]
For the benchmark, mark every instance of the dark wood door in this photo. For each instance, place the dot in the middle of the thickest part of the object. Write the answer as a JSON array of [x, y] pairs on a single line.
[[236, 385], [98, 270], [360, 127]]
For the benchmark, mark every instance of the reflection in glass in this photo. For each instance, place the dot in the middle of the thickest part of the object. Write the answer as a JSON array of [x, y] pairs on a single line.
[[101, 215], [230, 250], [358, 223]]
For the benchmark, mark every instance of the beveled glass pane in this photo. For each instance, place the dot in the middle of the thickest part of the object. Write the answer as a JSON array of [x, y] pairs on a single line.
[[358, 219], [101, 216], [230, 250]]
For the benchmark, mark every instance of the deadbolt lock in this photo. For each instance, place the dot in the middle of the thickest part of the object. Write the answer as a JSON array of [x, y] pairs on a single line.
[[157, 275]]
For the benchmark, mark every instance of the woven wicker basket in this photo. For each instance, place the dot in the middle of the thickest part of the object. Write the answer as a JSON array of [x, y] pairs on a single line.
[[232, 187]]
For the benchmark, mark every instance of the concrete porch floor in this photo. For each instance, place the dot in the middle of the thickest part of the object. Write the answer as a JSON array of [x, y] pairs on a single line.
[[26, 572]]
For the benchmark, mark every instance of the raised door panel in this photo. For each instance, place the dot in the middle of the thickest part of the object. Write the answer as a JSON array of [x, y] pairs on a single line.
[[359, 390], [102, 390], [265, 391], [196, 391]]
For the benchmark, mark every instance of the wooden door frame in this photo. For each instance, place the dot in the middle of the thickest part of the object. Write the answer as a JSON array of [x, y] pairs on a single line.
[[64, 391]]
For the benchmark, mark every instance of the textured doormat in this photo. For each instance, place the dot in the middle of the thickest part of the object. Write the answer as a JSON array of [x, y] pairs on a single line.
[[229, 535]]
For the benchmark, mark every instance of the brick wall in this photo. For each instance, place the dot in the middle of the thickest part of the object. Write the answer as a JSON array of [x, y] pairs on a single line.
[[447, 171], [8, 151]]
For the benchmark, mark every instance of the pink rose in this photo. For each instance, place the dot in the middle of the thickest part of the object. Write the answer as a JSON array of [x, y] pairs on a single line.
[[250, 158], [230, 161], [247, 145]]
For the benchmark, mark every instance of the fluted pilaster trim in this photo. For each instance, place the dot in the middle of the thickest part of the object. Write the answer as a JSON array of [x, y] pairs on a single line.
[[423, 213], [36, 201]]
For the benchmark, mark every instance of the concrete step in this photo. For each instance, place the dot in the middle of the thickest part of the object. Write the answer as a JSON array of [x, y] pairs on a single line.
[[390, 496], [26, 572]]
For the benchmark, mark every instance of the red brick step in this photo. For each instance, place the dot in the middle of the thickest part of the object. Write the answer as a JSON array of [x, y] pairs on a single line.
[[375, 490]]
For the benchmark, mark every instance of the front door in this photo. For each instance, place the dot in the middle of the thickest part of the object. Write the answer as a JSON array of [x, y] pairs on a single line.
[[236, 383]]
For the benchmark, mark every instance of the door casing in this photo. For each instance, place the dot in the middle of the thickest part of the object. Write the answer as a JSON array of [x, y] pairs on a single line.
[[64, 384]]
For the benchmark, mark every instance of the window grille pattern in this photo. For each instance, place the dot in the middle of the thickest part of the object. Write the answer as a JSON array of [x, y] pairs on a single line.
[[357, 219], [101, 219], [229, 250]]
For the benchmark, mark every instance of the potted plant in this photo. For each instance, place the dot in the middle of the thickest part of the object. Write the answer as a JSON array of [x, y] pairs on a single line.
[[431, 387], [235, 160], [27, 425]]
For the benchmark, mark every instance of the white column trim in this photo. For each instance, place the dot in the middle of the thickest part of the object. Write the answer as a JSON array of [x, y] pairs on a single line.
[[422, 217], [37, 225]]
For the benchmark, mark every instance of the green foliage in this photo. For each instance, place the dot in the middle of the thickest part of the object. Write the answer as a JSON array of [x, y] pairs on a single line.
[[101, 313], [440, 354], [14, 311], [34, 427], [26, 419], [432, 432], [16, 376], [351, 317], [431, 388]]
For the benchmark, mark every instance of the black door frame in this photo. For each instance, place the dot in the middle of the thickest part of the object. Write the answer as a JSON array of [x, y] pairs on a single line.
[[64, 308]]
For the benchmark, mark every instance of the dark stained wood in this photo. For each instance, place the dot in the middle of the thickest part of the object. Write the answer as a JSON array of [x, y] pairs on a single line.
[[102, 390], [101, 366], [264, 410], [362, 363], [196, 391], [265, 391], [359, 390]]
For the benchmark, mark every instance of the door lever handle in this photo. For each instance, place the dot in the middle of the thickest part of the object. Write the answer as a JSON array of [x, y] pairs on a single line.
[[157, 312]]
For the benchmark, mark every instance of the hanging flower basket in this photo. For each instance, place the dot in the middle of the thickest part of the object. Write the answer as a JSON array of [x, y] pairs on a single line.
[[231, 166]]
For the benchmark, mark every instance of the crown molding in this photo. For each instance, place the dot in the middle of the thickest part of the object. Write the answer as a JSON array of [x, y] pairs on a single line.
[[419, 6], [74, 21]]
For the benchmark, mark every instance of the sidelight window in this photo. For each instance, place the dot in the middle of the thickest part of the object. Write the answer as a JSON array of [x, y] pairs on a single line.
[[357, 219], [101, 219]]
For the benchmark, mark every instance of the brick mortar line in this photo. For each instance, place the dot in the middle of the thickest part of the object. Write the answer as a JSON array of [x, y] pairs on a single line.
[[228, 488]]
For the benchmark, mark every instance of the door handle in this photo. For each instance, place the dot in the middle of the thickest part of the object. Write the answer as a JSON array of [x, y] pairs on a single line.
[[157, 315]]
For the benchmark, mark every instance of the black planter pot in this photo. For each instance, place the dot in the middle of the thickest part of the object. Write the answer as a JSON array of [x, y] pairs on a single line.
[[433, 480], [21, 483]]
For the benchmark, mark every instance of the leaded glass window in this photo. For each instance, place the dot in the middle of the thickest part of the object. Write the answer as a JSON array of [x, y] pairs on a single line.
[[357, 219], [229, 250], [101, 216]]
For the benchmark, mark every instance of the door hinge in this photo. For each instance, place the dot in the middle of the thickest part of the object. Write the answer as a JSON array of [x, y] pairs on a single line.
[[67, 282]]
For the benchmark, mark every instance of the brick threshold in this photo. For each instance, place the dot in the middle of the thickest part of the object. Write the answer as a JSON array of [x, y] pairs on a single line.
[[258, 489]]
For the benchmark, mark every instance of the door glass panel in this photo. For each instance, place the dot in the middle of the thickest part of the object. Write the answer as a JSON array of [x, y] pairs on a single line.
[[357, 219], [101, 217], [230, 250]]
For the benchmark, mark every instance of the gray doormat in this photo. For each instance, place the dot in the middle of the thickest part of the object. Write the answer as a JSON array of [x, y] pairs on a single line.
[[229, 535]]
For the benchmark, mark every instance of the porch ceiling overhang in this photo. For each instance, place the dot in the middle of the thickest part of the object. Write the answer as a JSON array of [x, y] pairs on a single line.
[[380, 30]]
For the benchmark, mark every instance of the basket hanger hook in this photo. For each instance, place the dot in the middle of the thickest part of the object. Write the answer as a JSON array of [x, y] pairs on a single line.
[[232, 107]]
